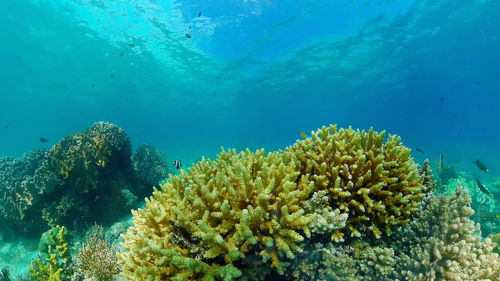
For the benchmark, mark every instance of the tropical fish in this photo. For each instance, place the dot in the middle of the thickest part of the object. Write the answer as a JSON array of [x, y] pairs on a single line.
[[187, 35], [419, 150], [199, 14], [441, 163], [43, 140], [303, 135], [480, 165], [482, 188], [131, 45], [177, 164]]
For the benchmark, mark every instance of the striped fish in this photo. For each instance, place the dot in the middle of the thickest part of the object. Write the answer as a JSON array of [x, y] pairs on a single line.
[[178, 164]]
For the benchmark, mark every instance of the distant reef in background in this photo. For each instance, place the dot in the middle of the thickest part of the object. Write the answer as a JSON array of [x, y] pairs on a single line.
[[87, 177], [342, 204]]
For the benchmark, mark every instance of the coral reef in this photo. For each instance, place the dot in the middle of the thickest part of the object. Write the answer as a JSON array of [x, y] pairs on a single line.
[[150, 167], [428, 178], [24, 184], [81, 159], [377, 184], [443, 243], [97, 259], [88, 176], [55, 264], [245, 214], [208, 224]]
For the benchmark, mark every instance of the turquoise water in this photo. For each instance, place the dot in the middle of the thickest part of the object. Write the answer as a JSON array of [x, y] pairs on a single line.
[[254, 73]]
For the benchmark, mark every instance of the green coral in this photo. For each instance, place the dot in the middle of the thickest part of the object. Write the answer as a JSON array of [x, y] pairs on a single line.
[[206, 223], [375, 182], [55, 263], [245, 215]]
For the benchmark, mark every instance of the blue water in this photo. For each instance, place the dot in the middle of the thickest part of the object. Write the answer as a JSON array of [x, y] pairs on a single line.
[[254, 74]]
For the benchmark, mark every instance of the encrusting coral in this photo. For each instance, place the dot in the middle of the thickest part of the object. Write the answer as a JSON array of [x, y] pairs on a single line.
[[375, 182]]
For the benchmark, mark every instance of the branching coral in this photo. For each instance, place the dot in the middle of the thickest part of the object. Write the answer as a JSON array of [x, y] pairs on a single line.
[[56, 263], [203, 224], [375, 182], [444, 244], [97, 259], [150, 166]]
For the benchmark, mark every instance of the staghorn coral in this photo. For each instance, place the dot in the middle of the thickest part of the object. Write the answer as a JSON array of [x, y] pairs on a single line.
[[242, 210], [444, 244], [97, 259], [377, 184]]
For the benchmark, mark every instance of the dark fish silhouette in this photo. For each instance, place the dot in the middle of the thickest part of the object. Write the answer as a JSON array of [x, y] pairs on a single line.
[[199, 14], [441, 163], [441, 98], [419, 150], [122, 53], [43, 140], [480, 165], [131, 45], [6, 127], [112, 75], [187, 35], [93, 85], [177, 164], [189, 27], [482, 188], [477, 83]]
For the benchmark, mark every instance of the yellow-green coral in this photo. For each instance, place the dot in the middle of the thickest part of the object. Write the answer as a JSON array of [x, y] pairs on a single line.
[[54, 266], [201, 224], [248, 211], [375, 182]]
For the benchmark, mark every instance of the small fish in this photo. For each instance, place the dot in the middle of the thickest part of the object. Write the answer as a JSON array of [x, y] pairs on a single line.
[[131, 45], [419, 150], [498, 78], [480, 165], [96, 198], [187, 185], [187, 35], [304, 135], [43, 140], [189, 27], [93, 85], [441, 98], [112, 75], [177, 164], [199, 14], [122, 53], [441, 163], [6, 127], [482, 188], [477, 83]]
